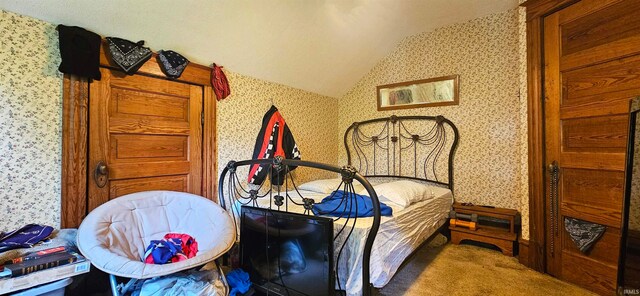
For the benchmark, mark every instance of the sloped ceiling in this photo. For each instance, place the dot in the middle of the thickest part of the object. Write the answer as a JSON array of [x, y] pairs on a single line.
[[319, 46]]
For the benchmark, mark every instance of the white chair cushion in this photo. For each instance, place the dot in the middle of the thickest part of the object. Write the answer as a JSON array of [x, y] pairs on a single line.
[[115, 235]]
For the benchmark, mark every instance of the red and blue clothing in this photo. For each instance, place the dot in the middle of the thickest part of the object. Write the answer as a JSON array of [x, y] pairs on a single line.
[[174, 247]]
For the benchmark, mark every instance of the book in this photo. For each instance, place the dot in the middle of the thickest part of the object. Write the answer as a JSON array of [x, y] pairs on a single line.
[[50, 261], [12, 284], [35, 255]]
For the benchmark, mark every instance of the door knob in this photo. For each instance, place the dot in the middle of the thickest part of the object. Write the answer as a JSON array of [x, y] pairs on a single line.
[[101, 174]]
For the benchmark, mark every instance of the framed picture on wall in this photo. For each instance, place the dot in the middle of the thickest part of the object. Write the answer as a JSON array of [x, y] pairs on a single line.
[[439, 91]]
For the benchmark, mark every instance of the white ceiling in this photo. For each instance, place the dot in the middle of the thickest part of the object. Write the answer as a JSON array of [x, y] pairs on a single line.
[[319, 46]]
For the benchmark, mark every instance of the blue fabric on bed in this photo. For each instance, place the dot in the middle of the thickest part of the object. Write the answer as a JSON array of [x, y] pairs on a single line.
[[330, 206]]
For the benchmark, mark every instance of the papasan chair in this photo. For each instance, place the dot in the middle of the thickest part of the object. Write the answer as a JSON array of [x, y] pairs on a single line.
[[114, 236]]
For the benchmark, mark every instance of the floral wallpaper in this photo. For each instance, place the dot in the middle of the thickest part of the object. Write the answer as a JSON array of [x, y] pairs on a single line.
[[490, 168], [30, 122], [310, 117], [634, 202], [488, 54], [523, 121]]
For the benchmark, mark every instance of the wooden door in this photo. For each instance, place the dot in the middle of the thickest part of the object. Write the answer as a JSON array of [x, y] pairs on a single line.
[[147, 132], [592, 70]]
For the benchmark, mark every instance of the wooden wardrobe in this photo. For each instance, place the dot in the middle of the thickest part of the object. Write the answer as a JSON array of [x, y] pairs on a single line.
[[130, 133], [583, 69]]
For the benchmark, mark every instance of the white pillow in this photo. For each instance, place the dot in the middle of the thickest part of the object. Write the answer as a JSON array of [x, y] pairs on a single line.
[[328, 185], [401, 193]]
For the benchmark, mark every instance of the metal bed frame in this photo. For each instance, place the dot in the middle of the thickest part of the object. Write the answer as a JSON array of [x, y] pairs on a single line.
[[392, 131]]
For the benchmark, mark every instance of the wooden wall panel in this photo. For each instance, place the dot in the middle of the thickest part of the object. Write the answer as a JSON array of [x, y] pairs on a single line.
[[604, 216], [535, 120], [593, 187], [589, 273], [613, 103], [145, 148], [98, 125], [604, 161], [137, 105], [123, 187], [523, 252], [610, 51], [133, 170], [611, 24], [605, 249], [210, 149], [619, 77], [581, 8], [140, 125], [149, 84], [130, 103], [536, 9], [595, 134], [74, 150], [196, 113]]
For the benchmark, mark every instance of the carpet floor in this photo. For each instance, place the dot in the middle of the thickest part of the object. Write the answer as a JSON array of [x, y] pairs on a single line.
[[441, 268]]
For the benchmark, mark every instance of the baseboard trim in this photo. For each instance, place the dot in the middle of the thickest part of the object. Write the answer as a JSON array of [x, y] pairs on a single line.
[[523, 252]]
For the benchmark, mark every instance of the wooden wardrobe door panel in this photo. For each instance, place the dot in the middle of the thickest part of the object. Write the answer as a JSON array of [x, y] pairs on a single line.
[[148, 133], [591, 73], [125, 186]]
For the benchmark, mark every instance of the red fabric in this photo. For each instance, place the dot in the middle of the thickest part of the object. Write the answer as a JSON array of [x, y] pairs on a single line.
[[149, 259], [219, 83], [189, 246]]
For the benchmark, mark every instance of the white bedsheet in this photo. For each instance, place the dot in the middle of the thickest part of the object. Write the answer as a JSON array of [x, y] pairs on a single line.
[[397, 237]]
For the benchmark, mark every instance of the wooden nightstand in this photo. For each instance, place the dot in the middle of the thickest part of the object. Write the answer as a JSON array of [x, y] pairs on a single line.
[[501, 235]]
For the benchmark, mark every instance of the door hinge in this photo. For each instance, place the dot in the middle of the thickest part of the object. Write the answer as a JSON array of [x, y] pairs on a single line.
[[202, 118]]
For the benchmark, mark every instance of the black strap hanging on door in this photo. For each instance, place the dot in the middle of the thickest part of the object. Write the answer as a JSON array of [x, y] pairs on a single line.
[[553, 202]]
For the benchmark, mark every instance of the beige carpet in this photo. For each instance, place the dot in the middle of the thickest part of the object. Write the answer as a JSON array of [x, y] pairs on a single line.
[[442, 268]]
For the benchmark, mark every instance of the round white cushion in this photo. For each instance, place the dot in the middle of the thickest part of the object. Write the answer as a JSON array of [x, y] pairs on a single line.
[[115, 235]]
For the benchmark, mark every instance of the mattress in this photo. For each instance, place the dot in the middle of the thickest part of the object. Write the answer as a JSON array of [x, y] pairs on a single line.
[[398, 236]]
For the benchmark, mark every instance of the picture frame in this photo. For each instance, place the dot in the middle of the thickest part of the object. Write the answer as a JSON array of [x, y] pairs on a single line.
[[432, 92]]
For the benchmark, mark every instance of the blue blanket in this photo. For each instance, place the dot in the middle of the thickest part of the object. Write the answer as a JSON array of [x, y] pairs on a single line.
[[362, 204]]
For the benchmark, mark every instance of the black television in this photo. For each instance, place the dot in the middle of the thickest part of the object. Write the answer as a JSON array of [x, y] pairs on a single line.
[[287, 254]]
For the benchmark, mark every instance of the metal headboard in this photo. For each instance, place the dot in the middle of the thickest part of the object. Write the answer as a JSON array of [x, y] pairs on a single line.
[[231, 189], [379, 147]]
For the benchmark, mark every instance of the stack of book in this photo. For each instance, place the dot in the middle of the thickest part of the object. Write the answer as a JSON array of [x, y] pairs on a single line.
[[41, 267]]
